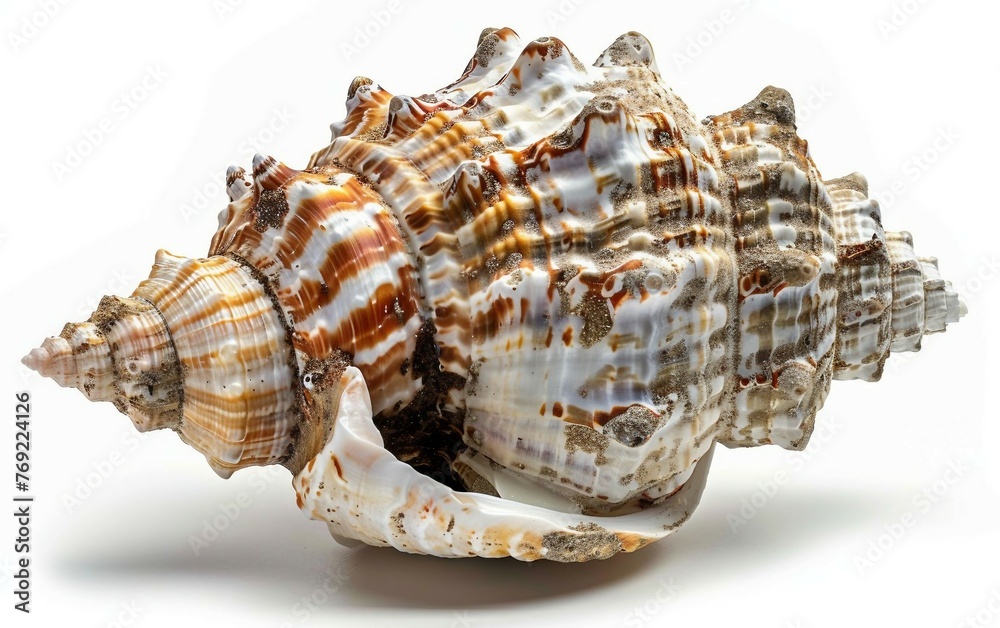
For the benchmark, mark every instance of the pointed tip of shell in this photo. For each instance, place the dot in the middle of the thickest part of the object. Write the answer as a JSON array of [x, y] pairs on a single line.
[[774, 103], [44, 360], [943, 304], [77, 358], [122, 354], [34, 360]]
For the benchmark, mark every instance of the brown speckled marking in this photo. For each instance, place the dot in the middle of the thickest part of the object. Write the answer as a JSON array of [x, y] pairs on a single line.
[[320, 410], [632, 427], [642, 472], [269, 210], [585, 439], [397, 521], [591, 542]]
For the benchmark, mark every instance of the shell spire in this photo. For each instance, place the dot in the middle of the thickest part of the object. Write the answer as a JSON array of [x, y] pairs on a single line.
[[887, 297], [197, 348], [122, 354]]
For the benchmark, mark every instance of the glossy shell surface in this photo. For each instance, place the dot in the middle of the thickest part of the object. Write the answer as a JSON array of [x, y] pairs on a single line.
[[514, 315]]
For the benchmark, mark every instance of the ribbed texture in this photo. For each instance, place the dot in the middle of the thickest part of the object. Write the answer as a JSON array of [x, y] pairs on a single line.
[[864, 282], [922, 302], [239, 389]]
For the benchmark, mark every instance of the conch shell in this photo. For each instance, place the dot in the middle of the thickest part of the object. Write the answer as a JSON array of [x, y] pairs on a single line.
[[513, 316]]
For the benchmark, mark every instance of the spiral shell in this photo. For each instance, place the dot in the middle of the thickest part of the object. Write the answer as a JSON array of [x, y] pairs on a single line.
[[513, 316]]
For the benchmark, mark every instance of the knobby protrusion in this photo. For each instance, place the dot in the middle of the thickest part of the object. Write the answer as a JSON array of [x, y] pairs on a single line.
[[237, 184], [366, 101], [359, 81], [630, 49], [772, 105], [405, 116], [269, 173]]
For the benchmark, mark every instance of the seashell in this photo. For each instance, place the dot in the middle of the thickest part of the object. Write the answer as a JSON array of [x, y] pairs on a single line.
[[513, 316]]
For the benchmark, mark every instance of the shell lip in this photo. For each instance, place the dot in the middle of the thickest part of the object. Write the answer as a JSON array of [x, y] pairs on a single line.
[[363, 492]]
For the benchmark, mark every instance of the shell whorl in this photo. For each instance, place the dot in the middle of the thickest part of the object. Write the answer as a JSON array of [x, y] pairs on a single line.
[[197, 348], [123, 354], [554, 278], [888, 298]]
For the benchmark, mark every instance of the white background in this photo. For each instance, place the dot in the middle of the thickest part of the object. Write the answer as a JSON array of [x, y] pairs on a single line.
[[872, 96]]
